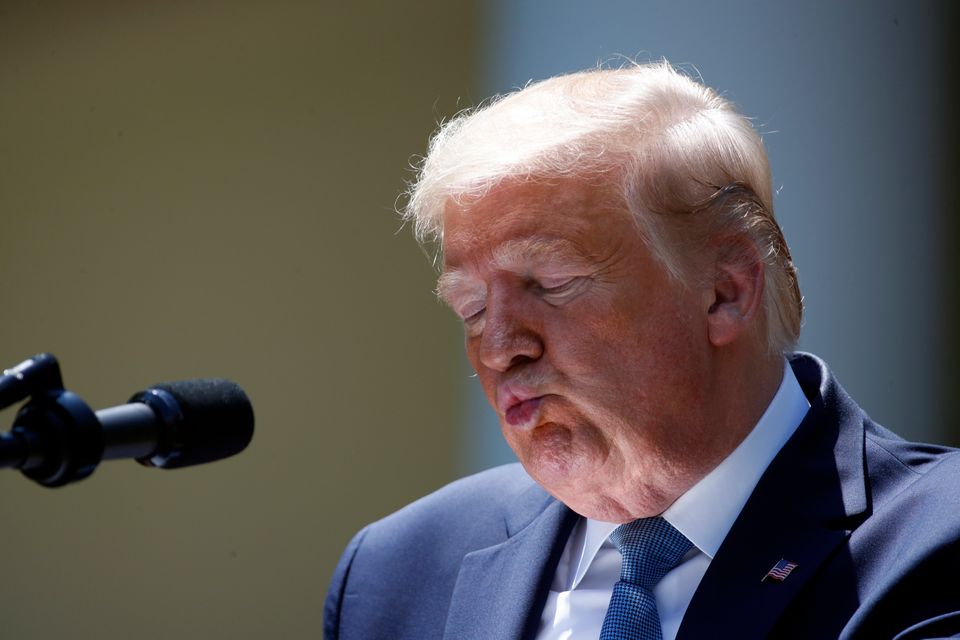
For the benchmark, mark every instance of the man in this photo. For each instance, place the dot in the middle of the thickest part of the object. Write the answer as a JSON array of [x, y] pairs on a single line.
[[629, 306]]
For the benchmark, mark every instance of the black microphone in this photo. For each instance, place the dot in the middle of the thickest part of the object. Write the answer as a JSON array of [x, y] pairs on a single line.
[[57, 439], [179, 424]]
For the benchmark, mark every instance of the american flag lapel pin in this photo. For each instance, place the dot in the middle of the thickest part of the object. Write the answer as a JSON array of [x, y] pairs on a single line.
[[780, 571]]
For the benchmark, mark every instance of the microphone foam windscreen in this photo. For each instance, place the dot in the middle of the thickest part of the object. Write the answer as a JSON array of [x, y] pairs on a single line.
[[217, 420]]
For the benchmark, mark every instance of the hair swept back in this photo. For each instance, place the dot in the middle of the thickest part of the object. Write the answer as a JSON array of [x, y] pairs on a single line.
[[687, 165]]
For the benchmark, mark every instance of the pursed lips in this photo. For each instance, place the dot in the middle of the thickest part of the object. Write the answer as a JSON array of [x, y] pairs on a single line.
[[518, 405]]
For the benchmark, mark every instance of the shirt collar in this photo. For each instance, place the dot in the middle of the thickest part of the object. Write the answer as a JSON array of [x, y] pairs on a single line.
[[706, 512]]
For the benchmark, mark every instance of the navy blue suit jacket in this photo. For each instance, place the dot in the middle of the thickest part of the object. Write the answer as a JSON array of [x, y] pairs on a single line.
[[872, 521]]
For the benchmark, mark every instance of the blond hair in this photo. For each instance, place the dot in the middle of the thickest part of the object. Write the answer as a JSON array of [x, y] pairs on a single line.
[[687, 165]]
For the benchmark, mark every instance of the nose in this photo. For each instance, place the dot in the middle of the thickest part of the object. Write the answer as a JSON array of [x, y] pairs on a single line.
[[510, 336]]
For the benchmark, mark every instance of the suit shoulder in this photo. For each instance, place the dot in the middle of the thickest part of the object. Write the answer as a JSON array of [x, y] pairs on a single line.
[[896, 465], [397, 576], [483, 494], [938, 487], [508, 481], [917, 457], [904, 554], [480, 502]]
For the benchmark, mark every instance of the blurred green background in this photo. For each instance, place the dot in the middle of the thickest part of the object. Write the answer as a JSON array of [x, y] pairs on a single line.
[[207, 188]]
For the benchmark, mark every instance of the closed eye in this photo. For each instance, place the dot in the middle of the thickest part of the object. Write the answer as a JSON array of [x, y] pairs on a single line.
[[473, 317], [474, 323], [559, 289], [472, 311]]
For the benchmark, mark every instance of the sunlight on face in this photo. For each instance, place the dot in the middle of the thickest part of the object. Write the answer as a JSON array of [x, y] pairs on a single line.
[[592, 356]]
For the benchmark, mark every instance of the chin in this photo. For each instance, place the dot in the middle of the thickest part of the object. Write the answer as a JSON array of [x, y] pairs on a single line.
[[555, 456], [576, 477], [568, 465]]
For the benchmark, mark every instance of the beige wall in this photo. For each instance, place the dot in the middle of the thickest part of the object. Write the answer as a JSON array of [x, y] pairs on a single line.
[[206, 188]]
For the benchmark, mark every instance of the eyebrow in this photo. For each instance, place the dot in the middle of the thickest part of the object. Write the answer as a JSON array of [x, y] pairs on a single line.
[[448, 282], [515, 252], [512, 255]]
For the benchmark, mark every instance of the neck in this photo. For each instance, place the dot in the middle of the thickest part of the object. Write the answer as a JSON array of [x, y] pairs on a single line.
[[744, 384]]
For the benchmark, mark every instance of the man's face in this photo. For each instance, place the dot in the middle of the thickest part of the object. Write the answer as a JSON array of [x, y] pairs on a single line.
[[594, 359]]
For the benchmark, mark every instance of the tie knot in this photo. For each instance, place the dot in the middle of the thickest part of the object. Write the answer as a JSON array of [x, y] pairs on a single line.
[[650, 547]]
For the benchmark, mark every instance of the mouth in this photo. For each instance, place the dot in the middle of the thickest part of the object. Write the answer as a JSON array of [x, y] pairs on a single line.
[[523, 414]]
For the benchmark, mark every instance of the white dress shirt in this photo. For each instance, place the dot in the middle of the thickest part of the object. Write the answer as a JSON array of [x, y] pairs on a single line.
[[590, 563]]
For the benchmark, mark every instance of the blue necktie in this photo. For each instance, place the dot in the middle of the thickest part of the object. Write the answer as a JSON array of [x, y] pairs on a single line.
[[650, 547]]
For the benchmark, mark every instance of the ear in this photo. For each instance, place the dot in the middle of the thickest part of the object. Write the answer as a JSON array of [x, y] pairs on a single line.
[[738, 281]]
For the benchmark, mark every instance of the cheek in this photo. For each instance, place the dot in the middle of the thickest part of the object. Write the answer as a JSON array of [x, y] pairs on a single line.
[[639, 369], [605, 348]]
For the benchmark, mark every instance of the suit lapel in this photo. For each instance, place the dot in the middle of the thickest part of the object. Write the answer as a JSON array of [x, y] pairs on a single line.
[[803, 508], [500, 590]]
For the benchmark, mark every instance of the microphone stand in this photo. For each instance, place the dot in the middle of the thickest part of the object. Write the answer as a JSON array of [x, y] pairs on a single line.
[[56, 437]]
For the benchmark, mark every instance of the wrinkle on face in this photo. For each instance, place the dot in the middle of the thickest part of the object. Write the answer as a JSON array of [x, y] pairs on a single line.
[[620, 365]]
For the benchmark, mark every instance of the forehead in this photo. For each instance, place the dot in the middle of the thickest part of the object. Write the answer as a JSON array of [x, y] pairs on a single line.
[[540, 220]]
